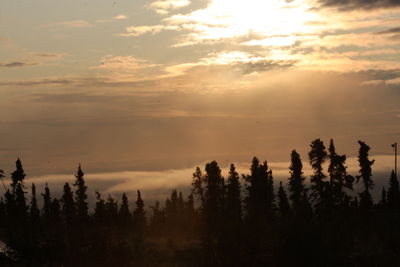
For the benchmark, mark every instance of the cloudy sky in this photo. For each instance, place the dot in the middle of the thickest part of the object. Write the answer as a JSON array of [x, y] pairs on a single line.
[[146, 90]]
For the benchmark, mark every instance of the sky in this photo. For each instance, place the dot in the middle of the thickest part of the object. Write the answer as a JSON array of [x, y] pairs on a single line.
[[141, 92]]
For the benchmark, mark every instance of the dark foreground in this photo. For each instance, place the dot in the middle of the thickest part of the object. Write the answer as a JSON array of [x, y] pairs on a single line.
[[234, 221]]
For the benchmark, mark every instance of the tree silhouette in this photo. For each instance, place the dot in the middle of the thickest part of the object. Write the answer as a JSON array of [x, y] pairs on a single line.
[[296, 183], [198, 185], [233, 200], [211, 227], [80, 195], [68, 205], [46, 210], [365, 174], [100, 209], [18, 176], [213, 198], [320, 189], [124, 213], [260, 201], [339, 178], [139, 215]]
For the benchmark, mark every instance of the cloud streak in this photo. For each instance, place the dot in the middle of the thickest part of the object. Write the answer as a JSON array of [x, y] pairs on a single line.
[[348, 5], [17, 64]]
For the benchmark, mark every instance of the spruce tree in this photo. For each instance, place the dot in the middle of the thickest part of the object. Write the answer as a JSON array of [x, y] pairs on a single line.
[[339, 178], [139, 215], [365, 174], [46, 210], [213, 199], [233, 200], [319, 187], [18, 176], [260, 200], [80, 195], [124, 213], [198, 186], [296, 182], [68, 205]]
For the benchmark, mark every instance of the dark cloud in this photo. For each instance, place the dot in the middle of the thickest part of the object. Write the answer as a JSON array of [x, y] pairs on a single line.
[[37, 82], [266, 65], [80, 81], [390, 31], [347, 5], [380, 74], [16, 64], [393, 33], [47, 55]]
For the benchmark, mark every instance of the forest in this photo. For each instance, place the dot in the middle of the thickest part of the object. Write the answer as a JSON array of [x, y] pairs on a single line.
[[238, 220]]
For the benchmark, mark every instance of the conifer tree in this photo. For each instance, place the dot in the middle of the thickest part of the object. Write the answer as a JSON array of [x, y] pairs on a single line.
[[213, 198], [68, 205], [339, 178], [365, 174], [18, 176], [260, 200], [46, 210], [139, 216], [319, 187], [233, 200], [80, 195], [296, 182], [198, 186], [124, 213]]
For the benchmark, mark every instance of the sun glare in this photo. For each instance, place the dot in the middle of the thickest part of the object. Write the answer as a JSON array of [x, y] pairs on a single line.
[[273, 18]]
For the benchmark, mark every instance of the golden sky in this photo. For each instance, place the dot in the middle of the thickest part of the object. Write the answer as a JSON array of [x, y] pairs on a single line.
[[132, 86]]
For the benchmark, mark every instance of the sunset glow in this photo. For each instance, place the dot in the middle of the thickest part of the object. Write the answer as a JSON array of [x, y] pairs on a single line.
[[125, 85]]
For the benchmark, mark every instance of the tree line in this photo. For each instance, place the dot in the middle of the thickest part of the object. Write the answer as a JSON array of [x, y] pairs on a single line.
[[238, 220]]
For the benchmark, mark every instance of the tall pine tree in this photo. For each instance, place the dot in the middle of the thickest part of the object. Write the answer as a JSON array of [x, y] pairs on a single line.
[[365, 175], [81, 195]]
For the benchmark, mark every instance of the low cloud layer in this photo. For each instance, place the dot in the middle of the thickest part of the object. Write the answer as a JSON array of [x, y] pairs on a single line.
[[157, 185]]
